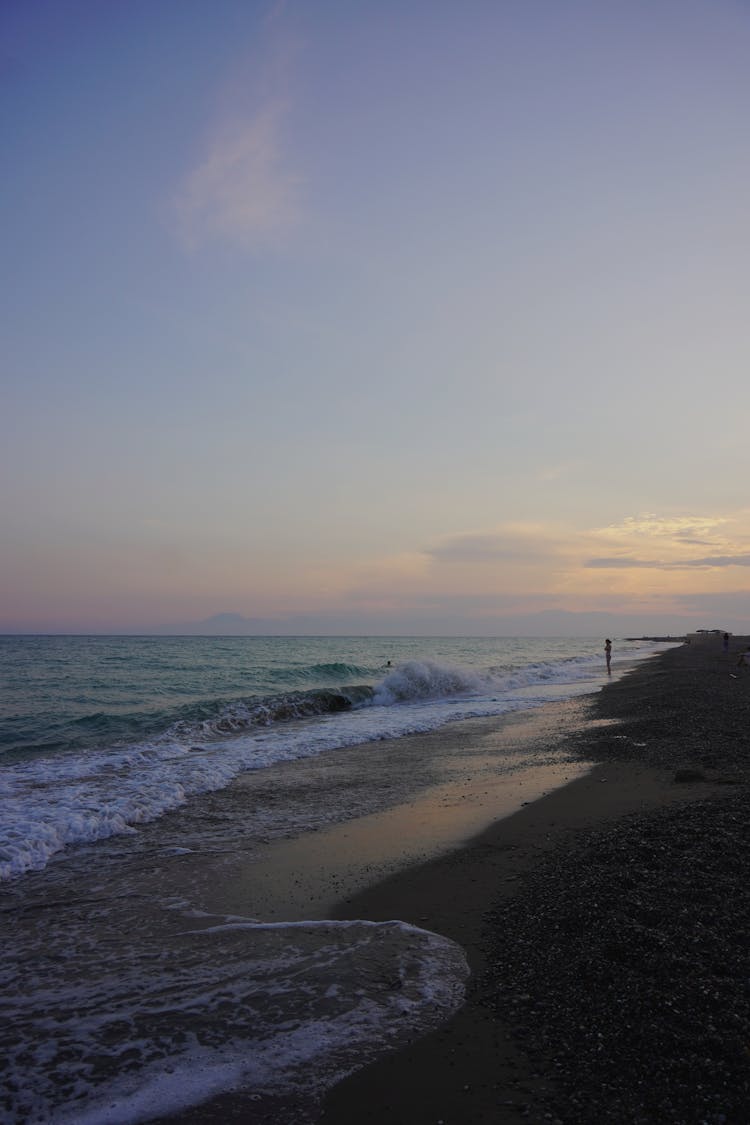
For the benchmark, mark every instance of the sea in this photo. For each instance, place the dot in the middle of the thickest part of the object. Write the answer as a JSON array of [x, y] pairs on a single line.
[[146, 781]]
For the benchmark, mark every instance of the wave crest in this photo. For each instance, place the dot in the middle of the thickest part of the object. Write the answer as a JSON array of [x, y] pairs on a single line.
[[234, 718], [426, 680]]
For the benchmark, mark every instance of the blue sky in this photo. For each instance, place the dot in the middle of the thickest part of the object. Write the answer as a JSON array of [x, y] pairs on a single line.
[[378, 317]]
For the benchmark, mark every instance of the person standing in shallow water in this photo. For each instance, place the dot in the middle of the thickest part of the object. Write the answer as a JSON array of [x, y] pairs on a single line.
[[608, 654]]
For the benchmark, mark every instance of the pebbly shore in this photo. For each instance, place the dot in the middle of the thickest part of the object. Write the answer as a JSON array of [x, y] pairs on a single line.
[[607, 926], [622, 963]]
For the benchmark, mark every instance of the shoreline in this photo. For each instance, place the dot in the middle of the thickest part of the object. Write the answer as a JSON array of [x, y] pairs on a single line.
[[470, 1069], [467, 1071], [478, 771], [478, 1067], [309, 876], [562, 1017], [502, 1058]]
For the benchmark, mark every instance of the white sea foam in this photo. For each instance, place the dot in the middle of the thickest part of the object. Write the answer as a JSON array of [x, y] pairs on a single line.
[[263, 1008]]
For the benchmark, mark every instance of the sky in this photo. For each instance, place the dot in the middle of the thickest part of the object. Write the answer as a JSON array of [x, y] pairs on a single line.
[[387, 317]]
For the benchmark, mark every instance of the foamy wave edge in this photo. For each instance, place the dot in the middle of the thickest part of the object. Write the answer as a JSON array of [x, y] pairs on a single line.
[[334, 1024]]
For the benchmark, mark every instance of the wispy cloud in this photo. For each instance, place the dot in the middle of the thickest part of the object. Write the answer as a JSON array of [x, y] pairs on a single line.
[[640, 562], [649, 525], [243, 188], [625, 563], [673, 540], [242, 191]]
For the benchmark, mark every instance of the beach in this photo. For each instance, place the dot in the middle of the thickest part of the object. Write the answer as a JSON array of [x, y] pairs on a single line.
[[538, 916], [605, 927], [605, 924]]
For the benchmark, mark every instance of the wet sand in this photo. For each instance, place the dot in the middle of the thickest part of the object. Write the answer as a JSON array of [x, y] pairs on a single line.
[[310, 875]]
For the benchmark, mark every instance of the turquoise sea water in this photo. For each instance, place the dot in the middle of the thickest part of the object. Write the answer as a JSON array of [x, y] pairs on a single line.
[[73, 693], [138, 773]]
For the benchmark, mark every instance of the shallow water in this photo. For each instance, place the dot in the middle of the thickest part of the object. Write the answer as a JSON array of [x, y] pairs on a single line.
[[122, 1031]]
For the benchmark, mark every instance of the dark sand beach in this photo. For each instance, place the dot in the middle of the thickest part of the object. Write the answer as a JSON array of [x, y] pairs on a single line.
[[607, 926], [606, 923]]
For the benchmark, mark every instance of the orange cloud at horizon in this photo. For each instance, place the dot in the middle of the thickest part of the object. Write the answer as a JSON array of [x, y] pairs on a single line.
[[645, 564]]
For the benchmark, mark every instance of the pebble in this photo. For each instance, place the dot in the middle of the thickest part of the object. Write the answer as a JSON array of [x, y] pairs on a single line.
[[629, 945]]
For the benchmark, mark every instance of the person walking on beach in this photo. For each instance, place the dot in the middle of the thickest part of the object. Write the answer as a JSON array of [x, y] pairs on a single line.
[[608, 654]]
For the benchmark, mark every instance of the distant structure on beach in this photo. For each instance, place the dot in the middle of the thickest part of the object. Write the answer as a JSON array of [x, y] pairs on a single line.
[[701, 636]]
